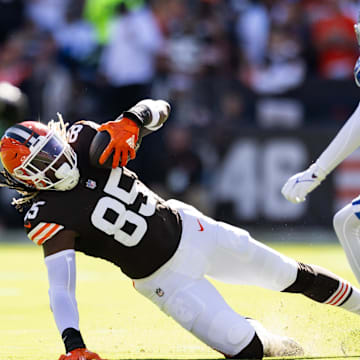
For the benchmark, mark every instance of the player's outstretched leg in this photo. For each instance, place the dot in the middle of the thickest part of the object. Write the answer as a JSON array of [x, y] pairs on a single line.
[[241, 259]]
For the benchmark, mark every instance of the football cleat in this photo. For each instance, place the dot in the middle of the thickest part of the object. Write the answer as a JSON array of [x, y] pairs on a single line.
[[283, 346], [39, 157], [276, 345]]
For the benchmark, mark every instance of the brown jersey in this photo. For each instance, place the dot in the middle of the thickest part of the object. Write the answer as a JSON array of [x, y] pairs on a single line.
[[115, 216]]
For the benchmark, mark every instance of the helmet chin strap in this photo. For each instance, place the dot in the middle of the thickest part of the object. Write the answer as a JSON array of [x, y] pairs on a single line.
[[70, 177]]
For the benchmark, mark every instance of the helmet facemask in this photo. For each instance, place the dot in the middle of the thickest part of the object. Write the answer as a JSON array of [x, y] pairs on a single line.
[[51, 165]]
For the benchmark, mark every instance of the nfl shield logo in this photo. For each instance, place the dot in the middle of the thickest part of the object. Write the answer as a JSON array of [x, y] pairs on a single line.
[[91, 184], [159, 292]]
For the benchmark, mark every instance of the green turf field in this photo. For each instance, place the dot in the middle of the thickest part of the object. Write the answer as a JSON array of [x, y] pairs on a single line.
[[118, 323]]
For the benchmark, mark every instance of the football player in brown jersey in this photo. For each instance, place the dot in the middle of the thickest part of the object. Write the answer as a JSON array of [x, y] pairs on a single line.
[[165, 247]]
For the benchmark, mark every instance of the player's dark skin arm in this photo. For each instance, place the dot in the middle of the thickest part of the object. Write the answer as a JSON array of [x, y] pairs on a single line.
[[64, 240]]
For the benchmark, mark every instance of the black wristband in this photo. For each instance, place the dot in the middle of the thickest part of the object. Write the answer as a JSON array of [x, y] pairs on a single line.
[[72, 339], [141, 114]]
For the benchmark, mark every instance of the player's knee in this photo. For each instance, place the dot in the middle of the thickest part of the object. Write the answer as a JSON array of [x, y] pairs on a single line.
[[218, 326], [347, 223], [254, 350], [183, 307], [340, 220]]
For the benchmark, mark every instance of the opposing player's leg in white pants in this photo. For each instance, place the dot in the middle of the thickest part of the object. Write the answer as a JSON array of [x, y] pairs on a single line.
[[347, 228]]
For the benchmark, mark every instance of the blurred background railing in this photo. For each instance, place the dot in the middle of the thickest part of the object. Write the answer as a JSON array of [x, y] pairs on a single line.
[[257, 88]]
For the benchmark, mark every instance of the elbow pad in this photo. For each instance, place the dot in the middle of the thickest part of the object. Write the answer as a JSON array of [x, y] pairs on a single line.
[[62, 281], [148, 113]]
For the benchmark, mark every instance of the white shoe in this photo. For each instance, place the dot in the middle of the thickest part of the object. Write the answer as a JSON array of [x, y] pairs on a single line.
[[276, 345]]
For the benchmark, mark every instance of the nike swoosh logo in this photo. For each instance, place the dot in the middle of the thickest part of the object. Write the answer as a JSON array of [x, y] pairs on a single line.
[[300, 181], [201, 227], [27, 225]]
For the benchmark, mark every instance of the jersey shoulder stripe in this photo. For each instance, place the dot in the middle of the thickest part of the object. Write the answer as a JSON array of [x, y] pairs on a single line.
[[43, 232]]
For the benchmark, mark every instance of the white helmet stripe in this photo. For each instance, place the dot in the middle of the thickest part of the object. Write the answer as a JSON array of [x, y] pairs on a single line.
[[19, 133]]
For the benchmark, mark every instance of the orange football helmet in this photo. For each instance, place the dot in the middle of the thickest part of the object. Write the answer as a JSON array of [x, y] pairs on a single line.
[[37, 156]]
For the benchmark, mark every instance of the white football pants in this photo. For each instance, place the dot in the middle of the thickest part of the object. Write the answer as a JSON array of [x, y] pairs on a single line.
[[347, 228], [225, 253]]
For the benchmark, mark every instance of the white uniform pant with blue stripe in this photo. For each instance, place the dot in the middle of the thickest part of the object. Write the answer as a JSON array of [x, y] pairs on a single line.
[[347, 228]]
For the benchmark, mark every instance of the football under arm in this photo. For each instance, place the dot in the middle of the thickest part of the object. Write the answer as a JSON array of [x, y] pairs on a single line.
[[148, 115], [345, 142]]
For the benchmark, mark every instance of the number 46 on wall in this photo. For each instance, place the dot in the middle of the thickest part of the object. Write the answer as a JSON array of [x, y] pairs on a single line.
[[252, 174]]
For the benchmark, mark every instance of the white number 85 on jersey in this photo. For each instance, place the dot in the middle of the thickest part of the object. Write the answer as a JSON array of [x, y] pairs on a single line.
[[112, 204]]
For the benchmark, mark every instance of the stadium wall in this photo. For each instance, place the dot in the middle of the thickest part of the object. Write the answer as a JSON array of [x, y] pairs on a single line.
[[247, 185]]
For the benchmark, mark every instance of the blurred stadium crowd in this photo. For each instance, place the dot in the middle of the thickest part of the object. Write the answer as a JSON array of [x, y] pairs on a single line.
[[224, 65]]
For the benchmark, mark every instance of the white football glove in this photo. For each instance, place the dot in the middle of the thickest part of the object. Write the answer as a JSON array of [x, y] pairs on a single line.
[[300, 184]]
